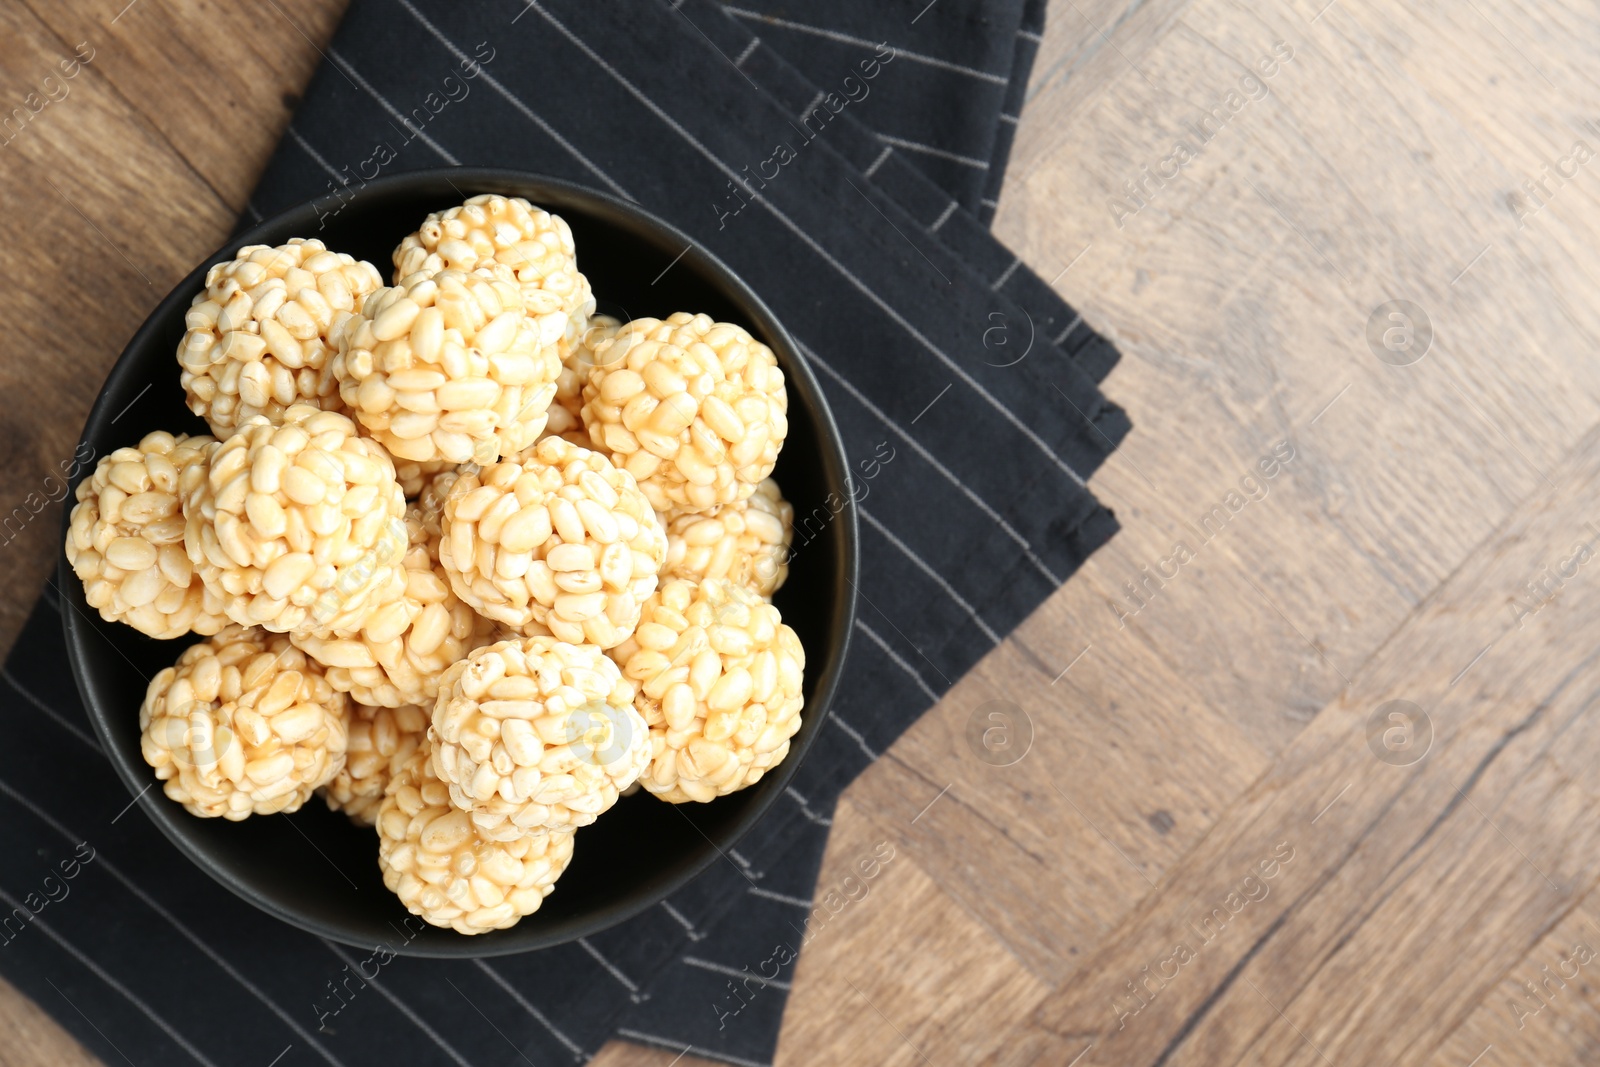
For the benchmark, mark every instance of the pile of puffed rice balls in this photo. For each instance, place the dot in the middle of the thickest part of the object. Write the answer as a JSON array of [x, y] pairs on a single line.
[[468, 559]]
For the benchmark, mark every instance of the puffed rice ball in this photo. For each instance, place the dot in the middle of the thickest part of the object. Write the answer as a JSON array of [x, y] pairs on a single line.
[[536, 733], [380, 742], [260, 337], [299, 526], [695, 410], [405, 645], [535, 244], [746, 543], [719, 683], [450, 366], [244, 724], [565, 415], [415, 475], [564, 542], [430, 503], [126, 540], [442, 869]]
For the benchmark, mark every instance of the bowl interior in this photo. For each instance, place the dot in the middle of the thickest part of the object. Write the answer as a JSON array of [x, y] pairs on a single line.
[[314, 868]]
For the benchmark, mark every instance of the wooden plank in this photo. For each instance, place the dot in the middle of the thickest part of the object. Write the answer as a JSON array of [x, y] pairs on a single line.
[[1426, 881], [1543, 1010], [911, 999], [1240, 298], [107, 217], [242, 67], [1101, 804], [1089, 46], [32, 1038]]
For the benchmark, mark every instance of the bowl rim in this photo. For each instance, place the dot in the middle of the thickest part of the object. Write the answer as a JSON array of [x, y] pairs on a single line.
[[76, 623]]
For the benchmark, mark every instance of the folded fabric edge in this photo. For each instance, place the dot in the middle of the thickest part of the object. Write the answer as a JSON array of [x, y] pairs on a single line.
[[967, 239]]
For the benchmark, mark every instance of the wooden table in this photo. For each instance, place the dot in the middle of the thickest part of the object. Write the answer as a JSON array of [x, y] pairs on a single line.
[[1313, 777]]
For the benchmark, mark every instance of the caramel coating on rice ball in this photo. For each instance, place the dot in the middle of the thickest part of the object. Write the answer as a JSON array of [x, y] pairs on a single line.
[[695, 410], [450, 366], [261, 335], [719, 679], [564, 542], [380, 742], [404, 647], [244, 724], [746, 542], [491, 229], [536, 733], [444, 870], [299, 526], [125, 541]]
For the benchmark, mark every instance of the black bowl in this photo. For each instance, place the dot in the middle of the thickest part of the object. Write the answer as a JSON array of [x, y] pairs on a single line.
[[315, 869]]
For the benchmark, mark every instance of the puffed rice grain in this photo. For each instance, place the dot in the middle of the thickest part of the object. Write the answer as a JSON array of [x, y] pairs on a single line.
[[380, 742], [719, 678], [536, 733], [261, 335], [444, 870], [535, 244], [746, 542], [565, 542], [244, 724], [414, 475], [397, 657], [695, 410], [125, 541], [299, 526], [450, 366], [566, 411]]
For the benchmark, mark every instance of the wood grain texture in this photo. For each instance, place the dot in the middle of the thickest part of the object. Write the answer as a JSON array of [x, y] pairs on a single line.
[[893, 1004], [33, 1038], [242, 70], [1427, 880], [115, 190], [1204, 696]]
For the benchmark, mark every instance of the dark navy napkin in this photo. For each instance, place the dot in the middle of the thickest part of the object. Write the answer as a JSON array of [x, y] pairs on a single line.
[[966, 393]]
